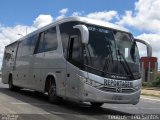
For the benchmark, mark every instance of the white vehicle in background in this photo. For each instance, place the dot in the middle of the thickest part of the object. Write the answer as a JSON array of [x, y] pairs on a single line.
[[79, 59]]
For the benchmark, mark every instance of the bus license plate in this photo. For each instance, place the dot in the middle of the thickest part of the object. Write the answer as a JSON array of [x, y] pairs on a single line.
[[117, 97]]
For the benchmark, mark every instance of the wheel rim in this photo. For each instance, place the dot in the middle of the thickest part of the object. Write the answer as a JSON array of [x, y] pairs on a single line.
[[52, 91]]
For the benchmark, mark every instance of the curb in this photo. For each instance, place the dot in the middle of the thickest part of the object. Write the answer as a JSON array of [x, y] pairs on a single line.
[[150, 95], [150, 92], [151, 88]]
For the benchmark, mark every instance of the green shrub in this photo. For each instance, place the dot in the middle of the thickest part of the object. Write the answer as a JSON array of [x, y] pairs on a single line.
[[156, 82], [147, 84]]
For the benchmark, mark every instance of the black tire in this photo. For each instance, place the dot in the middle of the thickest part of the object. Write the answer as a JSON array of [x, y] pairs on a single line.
[[96, 104], [52, 95], [10, 82], [38, 93], [11, 86]]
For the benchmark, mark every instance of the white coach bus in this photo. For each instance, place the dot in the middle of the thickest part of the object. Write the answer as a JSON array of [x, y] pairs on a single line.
[[78, 59]]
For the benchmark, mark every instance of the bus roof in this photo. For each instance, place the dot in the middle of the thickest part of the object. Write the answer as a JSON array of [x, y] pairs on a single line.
[[94, 22], [80, 19], [86, 20]]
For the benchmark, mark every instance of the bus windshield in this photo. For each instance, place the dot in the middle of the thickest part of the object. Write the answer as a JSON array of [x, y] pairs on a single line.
[[111, 52]]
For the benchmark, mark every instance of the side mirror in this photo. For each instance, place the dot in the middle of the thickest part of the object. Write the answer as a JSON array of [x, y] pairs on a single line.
[[84, 32], [149, 48]]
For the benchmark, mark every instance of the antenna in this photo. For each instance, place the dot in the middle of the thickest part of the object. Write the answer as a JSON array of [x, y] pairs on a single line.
[[26, 30], [20, 34]]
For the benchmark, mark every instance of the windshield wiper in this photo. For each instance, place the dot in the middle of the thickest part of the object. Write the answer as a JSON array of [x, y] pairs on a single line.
[[107, 63], [109, 56], [128, 69], [93, 68], [99, 70]]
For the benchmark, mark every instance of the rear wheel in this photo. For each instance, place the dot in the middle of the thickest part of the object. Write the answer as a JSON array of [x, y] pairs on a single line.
[[10, 82], [96, 104], [11, 86]]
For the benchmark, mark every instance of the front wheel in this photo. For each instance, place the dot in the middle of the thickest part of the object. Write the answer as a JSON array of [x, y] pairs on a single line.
[[52, 95], [96, 104]]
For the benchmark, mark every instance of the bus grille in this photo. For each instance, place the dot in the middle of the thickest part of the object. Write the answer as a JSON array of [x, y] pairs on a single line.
[[123, 90]]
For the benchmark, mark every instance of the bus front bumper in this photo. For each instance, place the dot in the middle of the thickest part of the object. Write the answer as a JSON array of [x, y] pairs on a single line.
[[91, 94]]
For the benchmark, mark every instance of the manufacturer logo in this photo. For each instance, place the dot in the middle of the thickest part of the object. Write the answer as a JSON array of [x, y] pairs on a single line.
[[118, 89]]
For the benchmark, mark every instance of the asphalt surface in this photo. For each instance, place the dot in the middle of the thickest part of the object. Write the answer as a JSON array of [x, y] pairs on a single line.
[[28, 105]]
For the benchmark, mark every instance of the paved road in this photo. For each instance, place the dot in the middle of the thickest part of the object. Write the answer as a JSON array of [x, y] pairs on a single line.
[[27, 105]]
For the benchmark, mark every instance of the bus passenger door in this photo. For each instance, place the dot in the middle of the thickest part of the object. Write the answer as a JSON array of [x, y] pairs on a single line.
[[73, 64]]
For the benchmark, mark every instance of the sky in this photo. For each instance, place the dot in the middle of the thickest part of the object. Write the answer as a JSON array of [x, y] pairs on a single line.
[[141, 17]]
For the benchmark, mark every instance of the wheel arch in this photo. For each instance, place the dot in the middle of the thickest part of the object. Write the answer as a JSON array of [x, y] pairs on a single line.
[[50, 77]]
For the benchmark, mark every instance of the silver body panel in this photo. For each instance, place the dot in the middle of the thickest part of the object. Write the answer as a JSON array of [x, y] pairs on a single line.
[[95, 94], [8, 65], [31, 71], [108, 97]]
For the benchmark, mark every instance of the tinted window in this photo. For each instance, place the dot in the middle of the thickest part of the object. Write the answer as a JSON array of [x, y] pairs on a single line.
[[48, 40], [74, 51], [26, 46], [65, 38], [67, 30], [40, 44]]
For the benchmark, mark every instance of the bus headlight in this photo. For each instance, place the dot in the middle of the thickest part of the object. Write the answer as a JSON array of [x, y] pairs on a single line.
[[93, 83], [82, 78], [89, 81]]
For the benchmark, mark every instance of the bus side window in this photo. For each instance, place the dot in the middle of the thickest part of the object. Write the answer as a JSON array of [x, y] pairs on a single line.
[[47, 41], [40, 46], [50, 40], [65, 38], [74, 51], [66, 30]]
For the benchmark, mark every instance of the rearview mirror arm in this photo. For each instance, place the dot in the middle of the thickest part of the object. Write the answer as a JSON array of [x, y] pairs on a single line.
[[84, 32], [149, 48]]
